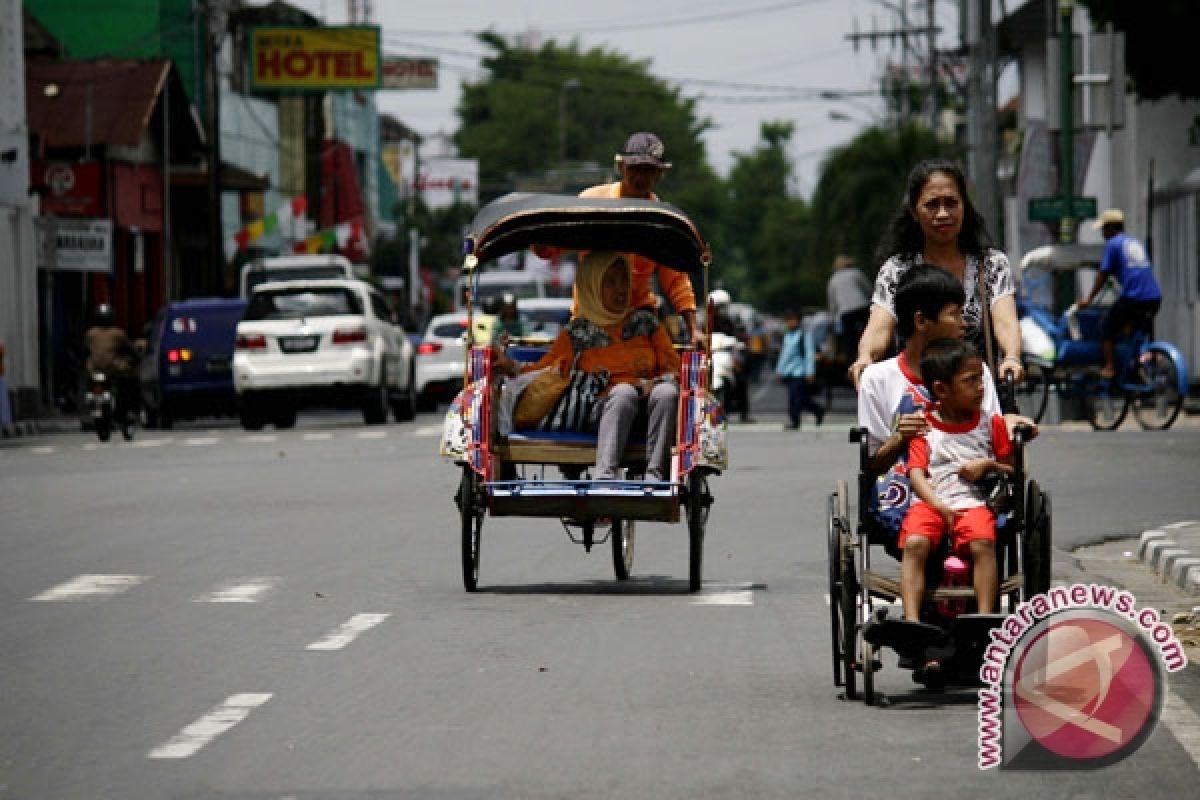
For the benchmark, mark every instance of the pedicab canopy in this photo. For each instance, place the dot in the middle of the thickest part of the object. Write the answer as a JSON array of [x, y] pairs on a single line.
[[659, 231]]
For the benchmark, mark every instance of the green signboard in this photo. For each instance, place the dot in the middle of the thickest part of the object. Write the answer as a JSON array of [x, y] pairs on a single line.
[[1049, 209]]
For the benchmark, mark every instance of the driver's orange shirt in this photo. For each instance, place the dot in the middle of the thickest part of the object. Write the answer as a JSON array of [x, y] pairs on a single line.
[[675, 285]]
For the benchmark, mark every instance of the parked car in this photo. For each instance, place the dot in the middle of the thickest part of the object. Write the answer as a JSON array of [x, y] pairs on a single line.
[[311, 267], [334, 343], [441, 354], [186, 371]]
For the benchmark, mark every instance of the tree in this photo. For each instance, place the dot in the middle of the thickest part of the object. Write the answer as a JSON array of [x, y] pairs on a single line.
[[510, 121], [860, 187], [1159, 37], [767, 232]]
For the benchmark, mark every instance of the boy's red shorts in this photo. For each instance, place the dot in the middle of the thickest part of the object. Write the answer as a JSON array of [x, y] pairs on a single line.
[[969, 524]]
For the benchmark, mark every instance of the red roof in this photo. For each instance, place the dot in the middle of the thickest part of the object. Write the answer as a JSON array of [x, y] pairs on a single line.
[[123, 96]]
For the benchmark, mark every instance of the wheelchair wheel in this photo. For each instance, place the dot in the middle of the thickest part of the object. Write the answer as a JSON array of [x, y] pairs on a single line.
[[1034, 391], [1159, 402], [1036, 545], [698, 503], [835, 522], [470, 509], [847, 599], [621, 536], [1107, 406]]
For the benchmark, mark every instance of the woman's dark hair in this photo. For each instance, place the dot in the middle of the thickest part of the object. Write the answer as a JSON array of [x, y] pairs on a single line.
[[903, 235], [926, 288], [942, 359]]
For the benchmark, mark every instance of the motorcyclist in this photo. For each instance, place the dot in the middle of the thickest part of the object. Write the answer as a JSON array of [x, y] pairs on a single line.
[[724, 322], [110, 351]]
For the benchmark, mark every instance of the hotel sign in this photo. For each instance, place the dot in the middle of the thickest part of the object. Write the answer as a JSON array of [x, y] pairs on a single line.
[[315, 59]]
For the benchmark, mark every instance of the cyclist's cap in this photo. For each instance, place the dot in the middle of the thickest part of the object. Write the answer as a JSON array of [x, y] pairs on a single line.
[[644, 148], [1111, 216]]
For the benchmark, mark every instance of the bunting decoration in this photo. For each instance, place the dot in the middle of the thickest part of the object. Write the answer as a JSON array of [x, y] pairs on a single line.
[[336, 237], [253, 231]]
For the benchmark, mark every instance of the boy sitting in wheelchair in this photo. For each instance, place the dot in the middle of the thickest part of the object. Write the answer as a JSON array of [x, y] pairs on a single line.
[[945, 465], [896, 407]]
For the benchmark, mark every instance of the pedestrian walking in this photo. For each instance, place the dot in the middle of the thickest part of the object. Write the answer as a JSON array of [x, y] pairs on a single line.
[[796, 367]]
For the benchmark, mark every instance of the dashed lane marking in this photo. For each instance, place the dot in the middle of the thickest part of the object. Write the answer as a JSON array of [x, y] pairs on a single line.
[[317, 437], [371, 435], [201, 441], [725, 594], [208, 727], [89, 587], [259, 438], [151, 442], [428, 430], [348, 631], [242, 590], [41, 450]]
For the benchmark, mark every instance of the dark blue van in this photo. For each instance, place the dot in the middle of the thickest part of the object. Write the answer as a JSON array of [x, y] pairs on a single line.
[[187, 369]]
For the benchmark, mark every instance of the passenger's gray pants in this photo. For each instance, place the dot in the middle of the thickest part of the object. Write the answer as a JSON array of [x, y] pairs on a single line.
[[616, 419]]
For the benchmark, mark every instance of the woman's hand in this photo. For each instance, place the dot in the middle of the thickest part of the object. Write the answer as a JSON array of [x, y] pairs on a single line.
[[1011, 365], [912, 425]]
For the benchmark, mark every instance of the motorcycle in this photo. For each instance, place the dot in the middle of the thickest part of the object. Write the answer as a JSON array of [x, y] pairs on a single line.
[[727, 358], [101, 400]]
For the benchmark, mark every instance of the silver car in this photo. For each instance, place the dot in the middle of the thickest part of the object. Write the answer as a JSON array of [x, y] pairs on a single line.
[[334, 343]]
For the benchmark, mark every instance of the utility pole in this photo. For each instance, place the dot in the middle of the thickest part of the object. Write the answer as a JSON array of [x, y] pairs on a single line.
[[903, 33], [1066, 168], [981, 109], [930, 27], [213, 281]]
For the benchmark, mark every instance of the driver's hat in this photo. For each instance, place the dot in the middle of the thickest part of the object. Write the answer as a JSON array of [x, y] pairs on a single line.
[[644, 149]]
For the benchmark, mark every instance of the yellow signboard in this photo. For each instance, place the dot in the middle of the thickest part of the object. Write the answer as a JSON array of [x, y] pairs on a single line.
[[315, 59]]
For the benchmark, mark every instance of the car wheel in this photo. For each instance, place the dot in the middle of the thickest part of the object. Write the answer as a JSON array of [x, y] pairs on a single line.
[[249, 412], [375, 407], [284, 416], [404, 408]]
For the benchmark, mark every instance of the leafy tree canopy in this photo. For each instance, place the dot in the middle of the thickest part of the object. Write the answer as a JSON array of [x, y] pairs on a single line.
[[1159, 43]]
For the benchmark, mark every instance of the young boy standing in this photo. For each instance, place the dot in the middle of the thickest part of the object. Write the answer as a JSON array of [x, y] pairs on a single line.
[[961, 444]]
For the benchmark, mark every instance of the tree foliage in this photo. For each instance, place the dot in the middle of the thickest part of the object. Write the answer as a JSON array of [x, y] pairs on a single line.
[[861, 185], [1159, 37]]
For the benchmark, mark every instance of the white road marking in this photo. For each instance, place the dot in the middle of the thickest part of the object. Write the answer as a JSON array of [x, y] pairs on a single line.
[[1183, 723], [201, 441], [718, 594], [208, 727], [244, 590], [86, 587], [1187, 523], [427, 430], [41, 451], [317, 437], [151, 442], [348, 631], [371, 434], [259, 438]]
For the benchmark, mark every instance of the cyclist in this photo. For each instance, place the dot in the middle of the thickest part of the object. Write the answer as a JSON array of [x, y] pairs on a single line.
[[1126, 260]]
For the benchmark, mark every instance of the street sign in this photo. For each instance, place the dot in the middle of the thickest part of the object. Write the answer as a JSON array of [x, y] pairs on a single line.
[[1049, 209]]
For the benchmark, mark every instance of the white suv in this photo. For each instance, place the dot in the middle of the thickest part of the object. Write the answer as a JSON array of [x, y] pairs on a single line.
[[321, 342]]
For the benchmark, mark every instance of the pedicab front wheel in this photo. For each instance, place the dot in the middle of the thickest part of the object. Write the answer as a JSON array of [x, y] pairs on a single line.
[[699, 500], [622, 547], [470, 509]]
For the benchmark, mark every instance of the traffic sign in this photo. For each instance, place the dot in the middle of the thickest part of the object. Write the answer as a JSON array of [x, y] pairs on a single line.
[[1049, 209]]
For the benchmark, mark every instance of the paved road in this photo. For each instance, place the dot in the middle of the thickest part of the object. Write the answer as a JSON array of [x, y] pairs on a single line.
[[211, 614]]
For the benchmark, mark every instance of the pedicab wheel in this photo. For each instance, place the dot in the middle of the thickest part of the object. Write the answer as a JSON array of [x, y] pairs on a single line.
[[1160, 403], [698, 502], [1107, 406], [1033, 391], [868, 673], [1038, 541], [622, 547], [470, 508]]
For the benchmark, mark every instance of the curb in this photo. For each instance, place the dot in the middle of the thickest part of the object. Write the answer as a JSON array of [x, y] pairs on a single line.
[[1175, 562]]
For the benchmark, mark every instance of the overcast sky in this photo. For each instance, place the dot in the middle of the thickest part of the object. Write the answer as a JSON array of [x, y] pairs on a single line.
[[744, 59]]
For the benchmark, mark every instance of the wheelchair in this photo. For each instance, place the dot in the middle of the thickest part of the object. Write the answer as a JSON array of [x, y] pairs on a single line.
[[861, 594]]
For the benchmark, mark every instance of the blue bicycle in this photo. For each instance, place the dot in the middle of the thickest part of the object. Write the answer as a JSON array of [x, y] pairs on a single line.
[[1062, 352]]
